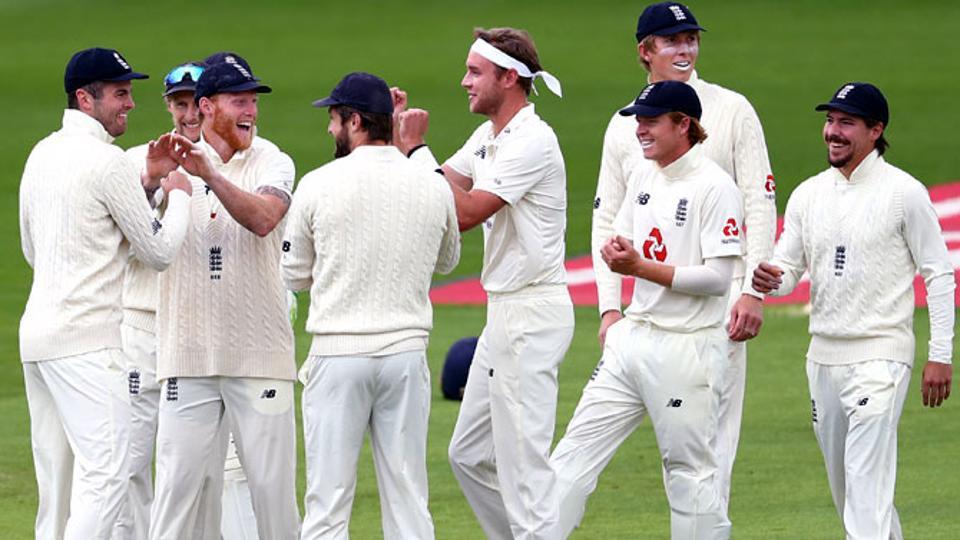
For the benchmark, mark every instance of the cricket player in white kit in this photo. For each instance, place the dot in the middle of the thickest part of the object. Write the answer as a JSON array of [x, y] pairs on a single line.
[[82, 206], [862, 229], [225, 353], [510, 177], [365, 235], [668, 37], [140, 347], [678, 235]]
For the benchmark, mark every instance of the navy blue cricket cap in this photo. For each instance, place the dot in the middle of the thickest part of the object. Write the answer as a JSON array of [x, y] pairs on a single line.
[[860, 99], [361, 91], [665, 19], [228, 77], [456, 367], [664, 97], [226, 57], [97, 64]]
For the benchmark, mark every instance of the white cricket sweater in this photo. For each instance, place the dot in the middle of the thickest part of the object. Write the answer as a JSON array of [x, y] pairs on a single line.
[[82, 207], [365, 234], [222, 307], [734, 141], [139, 280], [862, 241]]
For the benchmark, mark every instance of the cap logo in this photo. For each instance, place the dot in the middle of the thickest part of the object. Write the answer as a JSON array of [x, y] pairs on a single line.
[[842, 93], [121, 61], [643, 95], [678, 13], [241, 69]]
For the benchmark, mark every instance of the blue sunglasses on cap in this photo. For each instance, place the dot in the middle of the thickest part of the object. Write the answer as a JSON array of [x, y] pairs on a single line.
[[179, 73]]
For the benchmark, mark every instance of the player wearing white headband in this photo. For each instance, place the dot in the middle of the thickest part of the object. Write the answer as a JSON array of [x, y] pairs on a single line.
[[510, 177]]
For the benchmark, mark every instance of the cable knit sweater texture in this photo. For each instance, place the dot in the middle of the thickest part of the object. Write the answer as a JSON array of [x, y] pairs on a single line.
[[734, 141], [365, 234], [82, 208], [863, 240], [139, 280], [222, 308]]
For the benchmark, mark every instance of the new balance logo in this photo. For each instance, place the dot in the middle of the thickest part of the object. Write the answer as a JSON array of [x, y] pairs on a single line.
[[482, 152], [681, 215], [286, 246], [596, 203], [156, 226], [813, 408], [674, 403], [643, 198], [839, 260], [173, 392], [863, 402], [678, 13], [269, 393], [133, 382]]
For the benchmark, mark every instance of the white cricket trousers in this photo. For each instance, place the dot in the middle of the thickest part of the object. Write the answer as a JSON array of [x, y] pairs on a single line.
[[731, 384], [140, 349], [345, 396], [856, 409], [238, 521], [79, 425], [500, 448], [672, 377], [193, 411]]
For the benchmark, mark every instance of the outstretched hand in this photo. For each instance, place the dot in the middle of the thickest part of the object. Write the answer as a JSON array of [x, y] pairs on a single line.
[[161, 159], [191, 157]]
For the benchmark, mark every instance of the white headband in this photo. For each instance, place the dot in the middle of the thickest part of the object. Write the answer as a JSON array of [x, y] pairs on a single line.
[[506, 61]]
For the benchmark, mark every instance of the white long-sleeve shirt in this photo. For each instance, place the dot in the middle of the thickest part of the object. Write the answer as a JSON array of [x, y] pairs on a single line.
[[139, 280], [365, 234], [82, 207], [862, 241], [734, 141]]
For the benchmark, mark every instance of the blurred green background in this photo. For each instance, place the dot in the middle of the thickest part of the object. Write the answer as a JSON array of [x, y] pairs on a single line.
[[784, 56]]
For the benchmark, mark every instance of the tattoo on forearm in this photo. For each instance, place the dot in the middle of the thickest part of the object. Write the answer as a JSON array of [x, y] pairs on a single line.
[[275, 192]]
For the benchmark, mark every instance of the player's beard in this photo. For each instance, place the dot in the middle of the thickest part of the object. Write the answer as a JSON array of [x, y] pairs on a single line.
[[226, 128], [342, 143], [842, 160]]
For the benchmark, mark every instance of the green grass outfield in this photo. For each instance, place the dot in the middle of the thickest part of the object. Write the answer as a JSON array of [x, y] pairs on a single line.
[[784, 56]]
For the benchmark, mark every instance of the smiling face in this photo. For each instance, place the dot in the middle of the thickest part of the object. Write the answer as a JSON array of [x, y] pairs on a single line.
[[111, 108], [662, 139], [483, 85], [231, 117], [185, 114], [671, 58], [848, 140]]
